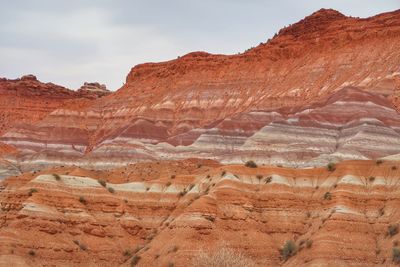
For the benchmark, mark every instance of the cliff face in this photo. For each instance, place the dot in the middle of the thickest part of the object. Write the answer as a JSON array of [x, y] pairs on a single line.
[[169, 212], [232, 108], [323, 90]]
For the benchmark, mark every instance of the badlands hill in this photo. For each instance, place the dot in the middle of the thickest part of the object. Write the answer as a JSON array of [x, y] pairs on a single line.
[[154, 173]]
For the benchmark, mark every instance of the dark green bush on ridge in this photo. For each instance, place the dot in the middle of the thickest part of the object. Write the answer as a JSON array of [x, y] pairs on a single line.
[[250, 164]]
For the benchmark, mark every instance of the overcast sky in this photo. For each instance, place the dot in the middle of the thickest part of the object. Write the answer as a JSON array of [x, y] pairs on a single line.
[[72, 41]]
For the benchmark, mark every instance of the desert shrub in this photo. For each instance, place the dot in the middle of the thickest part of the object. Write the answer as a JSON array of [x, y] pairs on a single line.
[[102, 182], [135, 260], [182, 193], [173, 176], [396, 255], [268, 179], [259, 176], [82, 200], [127, 253], [394, 168], [174, 249], [327, 196], [170, 264], [309, 243], [32, 252], [56, 176], [223, 257], [82, 246], [111, 190], [331, 166], [379, 162], [288, 250], [223, 173], [381, 211], [210, 218], [168, 184], [393, 229], [250, 164], [371, 179], [31, 191]]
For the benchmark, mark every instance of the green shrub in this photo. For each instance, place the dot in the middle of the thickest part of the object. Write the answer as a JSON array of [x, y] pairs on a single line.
[[393, 229], [396, 255], [102, 182], [250, 164], [111, 190], [31, 191], [331, 167], [288, 250]]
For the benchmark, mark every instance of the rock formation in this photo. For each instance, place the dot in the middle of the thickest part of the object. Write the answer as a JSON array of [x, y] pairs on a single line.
[[324, 90], [232, 108], [95, 87], [169, 212]]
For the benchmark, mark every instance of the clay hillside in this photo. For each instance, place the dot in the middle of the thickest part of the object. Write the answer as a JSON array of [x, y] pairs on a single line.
[[284, 155]]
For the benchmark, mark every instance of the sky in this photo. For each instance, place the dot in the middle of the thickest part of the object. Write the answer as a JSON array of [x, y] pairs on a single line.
[[70, 42]]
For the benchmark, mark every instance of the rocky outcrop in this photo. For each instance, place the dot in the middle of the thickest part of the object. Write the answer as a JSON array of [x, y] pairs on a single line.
[[168, 212], [94, 88], [27, 100]]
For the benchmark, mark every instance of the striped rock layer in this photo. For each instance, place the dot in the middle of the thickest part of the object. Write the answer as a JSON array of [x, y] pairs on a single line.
[[170, 212], [323, 89]]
